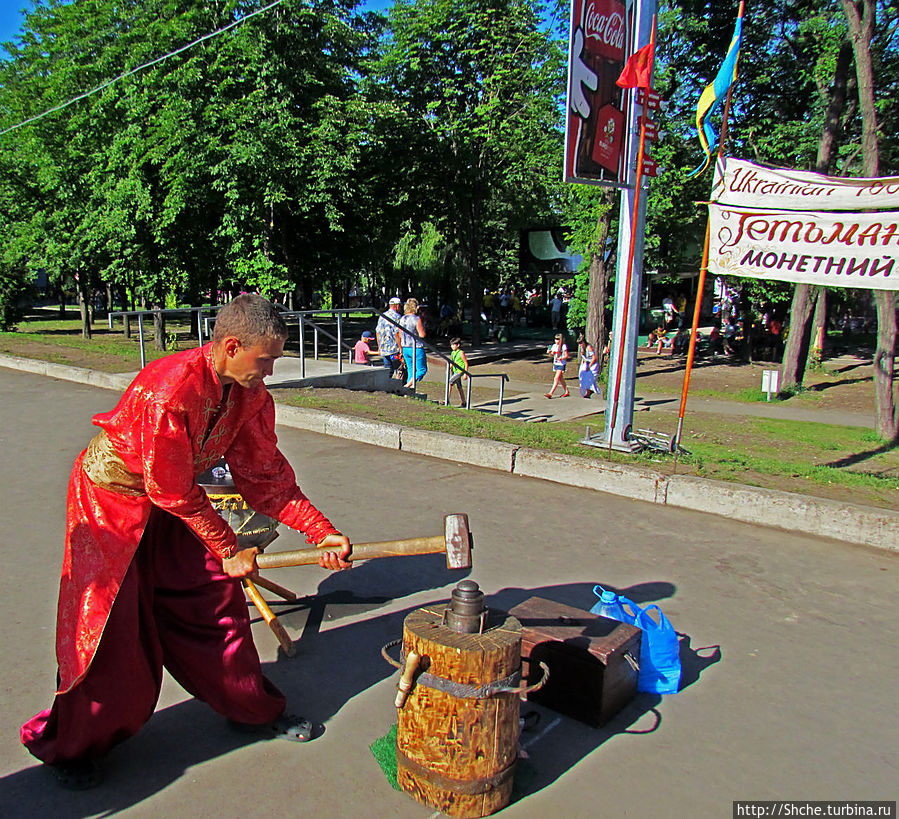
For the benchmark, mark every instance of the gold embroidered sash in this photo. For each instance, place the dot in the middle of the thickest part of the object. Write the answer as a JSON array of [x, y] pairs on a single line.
[[105, 467]]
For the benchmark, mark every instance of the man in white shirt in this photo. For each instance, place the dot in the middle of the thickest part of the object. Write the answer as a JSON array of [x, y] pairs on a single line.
[[386, 332]]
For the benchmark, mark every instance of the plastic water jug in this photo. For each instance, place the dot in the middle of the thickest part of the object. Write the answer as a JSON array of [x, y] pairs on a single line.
[[614, 606]]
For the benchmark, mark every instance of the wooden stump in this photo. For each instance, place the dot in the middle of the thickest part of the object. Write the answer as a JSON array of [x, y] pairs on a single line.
[[457, 753]]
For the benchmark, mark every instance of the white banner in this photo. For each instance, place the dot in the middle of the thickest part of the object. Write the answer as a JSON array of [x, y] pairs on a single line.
[[834, 249], [745, 184]]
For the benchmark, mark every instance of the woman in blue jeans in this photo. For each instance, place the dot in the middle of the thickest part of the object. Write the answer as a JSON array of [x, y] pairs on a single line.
[[413, 350]]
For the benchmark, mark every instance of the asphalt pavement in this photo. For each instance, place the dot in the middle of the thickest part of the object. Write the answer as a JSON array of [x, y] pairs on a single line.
[[788, 681]]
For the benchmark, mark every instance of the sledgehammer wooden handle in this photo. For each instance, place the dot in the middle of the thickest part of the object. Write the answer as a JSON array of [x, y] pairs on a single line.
[[361, 551]]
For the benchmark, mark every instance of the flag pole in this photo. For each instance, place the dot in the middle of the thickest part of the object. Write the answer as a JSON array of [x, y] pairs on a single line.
[[703, 267], [630, 254]]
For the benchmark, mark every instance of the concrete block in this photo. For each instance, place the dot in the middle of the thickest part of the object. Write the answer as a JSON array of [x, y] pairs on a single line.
[[302, 418], [364, 431], [822, 517], [474, 451], [368, 379], [629, 481]]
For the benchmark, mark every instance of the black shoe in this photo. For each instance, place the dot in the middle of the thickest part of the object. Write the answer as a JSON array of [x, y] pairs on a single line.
[[78, 774]]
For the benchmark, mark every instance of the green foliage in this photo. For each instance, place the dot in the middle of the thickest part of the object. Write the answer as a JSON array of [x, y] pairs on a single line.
[[585, 208], [576, 317], [313, 145], [421, 254], [13, 292], [477, 84]]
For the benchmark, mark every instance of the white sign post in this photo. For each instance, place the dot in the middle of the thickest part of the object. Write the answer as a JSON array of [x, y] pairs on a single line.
[[770, 381]]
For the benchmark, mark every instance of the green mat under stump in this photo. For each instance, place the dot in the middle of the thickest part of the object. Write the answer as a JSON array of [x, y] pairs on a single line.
[[384, 752]]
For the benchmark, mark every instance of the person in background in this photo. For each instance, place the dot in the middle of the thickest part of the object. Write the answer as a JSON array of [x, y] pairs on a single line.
[[556, 310], [413, 349], [362, 352], [588, 371], [391, 355], [559, 353], [460, 363]]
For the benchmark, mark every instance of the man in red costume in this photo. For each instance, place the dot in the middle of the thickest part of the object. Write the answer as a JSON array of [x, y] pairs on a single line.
[[151, 572]]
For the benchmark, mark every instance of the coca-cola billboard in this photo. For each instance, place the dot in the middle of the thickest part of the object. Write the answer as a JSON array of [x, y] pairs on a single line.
[[604, 29], [594, 139]]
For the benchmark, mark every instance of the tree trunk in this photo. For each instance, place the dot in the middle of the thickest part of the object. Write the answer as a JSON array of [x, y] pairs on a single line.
[[796, 353], [884, 364], [474, 274], [159, 325], [61, 293], [84, 303], [861, 15], [819, 326], [598, 289], [804, 296]]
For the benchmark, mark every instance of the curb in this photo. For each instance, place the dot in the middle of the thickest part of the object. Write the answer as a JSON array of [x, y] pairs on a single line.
[[850, 523], [65, 372]]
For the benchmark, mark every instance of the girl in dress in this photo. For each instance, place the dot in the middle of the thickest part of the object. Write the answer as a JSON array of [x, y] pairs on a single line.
[[559, 353], [588, 372]]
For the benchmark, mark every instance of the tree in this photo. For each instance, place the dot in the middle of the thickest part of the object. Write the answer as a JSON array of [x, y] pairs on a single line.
[[862, 16], [589, 213], [232, 161], [478, 83], [806, 297]]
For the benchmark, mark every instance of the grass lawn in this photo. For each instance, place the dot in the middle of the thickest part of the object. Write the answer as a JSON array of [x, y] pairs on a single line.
[[840, 462]]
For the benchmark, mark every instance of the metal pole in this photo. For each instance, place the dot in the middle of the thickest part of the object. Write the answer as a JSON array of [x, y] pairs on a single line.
[[703, 267], [446, 390], [315, 342], [140, 336], [339, 342], [200, 325], [302, 328], [631, 229], [502, 388]]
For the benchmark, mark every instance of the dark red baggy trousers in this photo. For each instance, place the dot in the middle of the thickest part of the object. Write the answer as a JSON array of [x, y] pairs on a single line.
[[176, 608]]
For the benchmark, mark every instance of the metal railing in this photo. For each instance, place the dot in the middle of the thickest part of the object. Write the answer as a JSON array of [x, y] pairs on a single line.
[[312, 319], [202, 324], [450, 368], [305, 317]]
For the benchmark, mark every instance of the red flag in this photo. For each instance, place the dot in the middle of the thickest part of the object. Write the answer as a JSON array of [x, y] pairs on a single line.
[[637, 71]]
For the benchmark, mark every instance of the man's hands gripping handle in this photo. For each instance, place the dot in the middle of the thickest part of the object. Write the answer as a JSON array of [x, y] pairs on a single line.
[[332, 553]]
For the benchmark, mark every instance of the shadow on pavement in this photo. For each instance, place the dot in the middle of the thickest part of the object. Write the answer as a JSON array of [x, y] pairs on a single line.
[[335, 663]]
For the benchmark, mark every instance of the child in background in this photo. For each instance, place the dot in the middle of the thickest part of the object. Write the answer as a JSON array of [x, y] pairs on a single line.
[[559, 352], [361, 349], [460, 361], [588, 372]]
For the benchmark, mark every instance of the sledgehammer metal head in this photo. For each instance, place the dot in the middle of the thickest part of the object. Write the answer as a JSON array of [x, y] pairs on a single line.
[[455, 542], [458, 541]]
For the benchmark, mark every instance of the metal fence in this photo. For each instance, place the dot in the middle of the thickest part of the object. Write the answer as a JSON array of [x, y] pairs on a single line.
[[313, 320]]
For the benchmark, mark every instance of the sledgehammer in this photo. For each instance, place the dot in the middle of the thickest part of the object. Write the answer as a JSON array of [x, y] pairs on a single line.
[[456, 542]]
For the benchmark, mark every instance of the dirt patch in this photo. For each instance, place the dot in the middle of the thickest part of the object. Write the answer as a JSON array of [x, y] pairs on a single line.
[[72, 356]]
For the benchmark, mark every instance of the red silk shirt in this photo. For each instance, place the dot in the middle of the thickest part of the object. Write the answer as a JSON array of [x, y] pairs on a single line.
[[173, 422]]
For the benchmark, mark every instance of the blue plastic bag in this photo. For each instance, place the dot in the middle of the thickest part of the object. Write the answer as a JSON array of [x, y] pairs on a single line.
[[660, 666]]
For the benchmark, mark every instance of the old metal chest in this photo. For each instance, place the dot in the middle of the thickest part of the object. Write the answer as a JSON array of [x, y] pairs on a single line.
[[592, 660]]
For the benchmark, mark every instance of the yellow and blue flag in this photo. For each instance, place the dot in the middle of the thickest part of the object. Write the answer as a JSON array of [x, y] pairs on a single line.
[[714, 93]]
